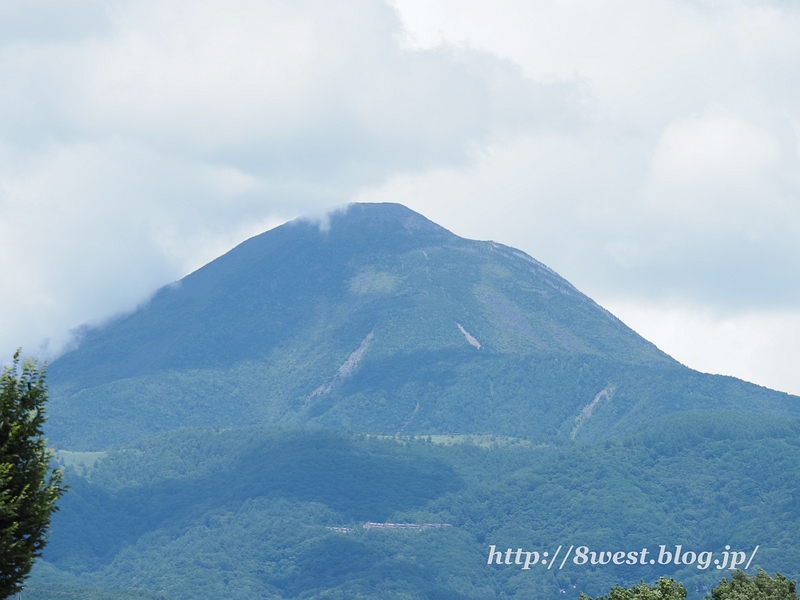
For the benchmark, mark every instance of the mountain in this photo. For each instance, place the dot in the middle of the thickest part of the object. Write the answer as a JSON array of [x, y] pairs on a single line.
[[233, 436], [377, 321]]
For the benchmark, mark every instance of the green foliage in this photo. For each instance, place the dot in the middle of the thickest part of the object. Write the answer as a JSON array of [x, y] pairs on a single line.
[[27, 494], [759, 587], [663, 589], [243, 513]]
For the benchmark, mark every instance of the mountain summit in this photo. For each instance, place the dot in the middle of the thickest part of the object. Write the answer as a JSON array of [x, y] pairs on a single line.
[[377, 320]]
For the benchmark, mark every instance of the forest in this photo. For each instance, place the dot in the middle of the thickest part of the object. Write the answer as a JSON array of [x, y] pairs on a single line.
[[279, 513]]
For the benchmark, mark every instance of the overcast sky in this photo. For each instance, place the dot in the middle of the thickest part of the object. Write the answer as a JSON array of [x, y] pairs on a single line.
[[648, 151]]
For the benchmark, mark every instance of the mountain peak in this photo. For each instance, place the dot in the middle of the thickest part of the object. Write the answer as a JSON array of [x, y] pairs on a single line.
[[381, 321], [368, 215], [375, 224]]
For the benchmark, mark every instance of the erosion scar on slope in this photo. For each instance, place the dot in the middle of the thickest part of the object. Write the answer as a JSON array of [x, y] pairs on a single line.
[[347, 369], [589, 409], [471, 339], [411, 418]]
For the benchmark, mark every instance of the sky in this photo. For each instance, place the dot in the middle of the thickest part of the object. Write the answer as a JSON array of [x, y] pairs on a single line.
[[646, 150]]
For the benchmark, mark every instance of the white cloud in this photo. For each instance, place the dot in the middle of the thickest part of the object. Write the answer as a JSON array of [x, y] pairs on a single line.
[[682, 177], [317, 89], [720, 148], [757, 346]]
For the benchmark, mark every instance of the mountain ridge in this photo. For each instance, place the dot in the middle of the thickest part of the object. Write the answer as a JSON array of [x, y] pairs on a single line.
[[377, 320]]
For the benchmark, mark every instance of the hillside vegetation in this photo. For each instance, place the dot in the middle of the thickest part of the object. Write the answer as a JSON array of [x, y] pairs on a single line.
[[246, 513]]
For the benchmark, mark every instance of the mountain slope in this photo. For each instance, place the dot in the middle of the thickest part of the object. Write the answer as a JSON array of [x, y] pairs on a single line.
[[380, 322]]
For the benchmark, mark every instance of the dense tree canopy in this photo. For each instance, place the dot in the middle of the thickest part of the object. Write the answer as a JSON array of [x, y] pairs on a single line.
[[27, 493], [739, 587], [663, 589], [256, 504], [758, 587]]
